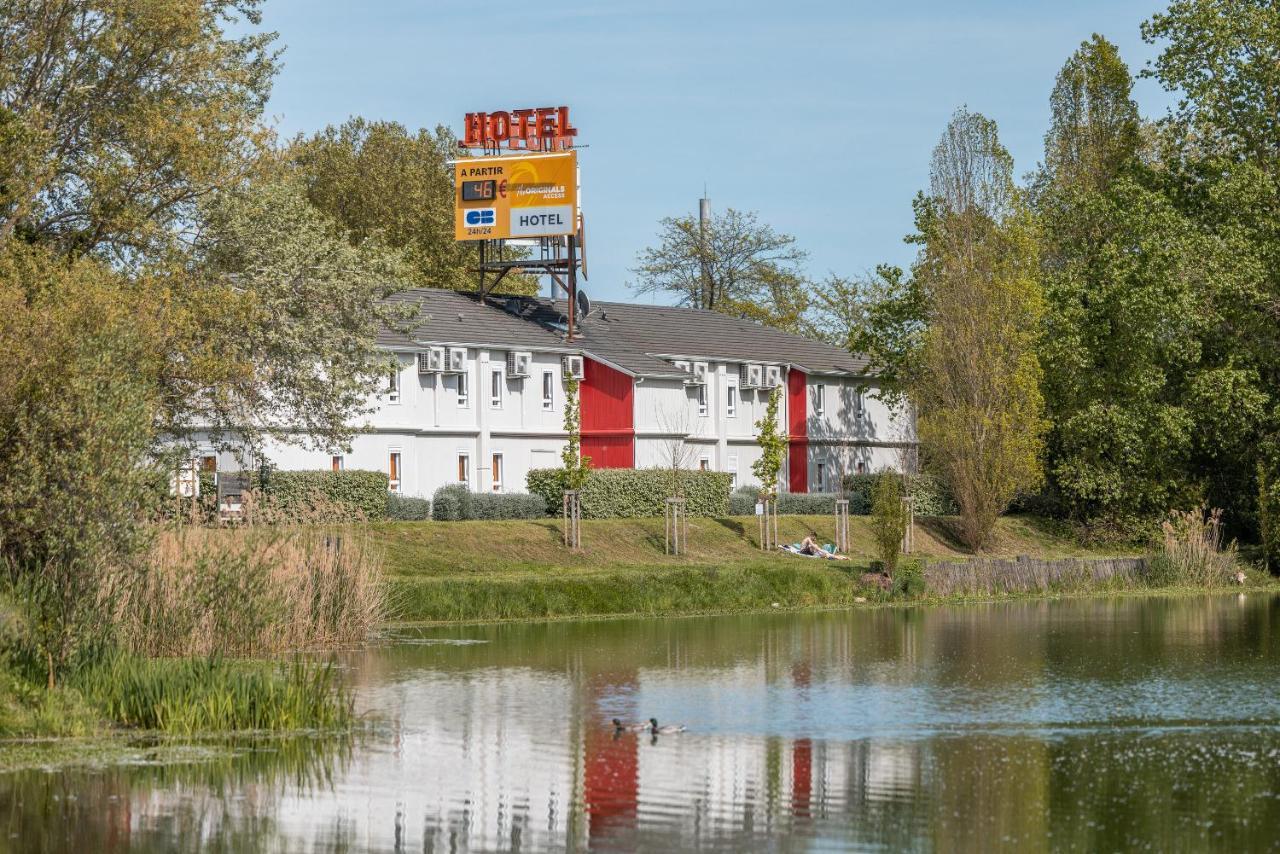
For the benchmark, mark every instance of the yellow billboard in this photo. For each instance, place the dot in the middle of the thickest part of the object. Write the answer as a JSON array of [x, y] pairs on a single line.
[[524, 195]]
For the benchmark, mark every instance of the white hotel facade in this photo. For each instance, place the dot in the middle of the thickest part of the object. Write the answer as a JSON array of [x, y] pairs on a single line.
[[479, 397]]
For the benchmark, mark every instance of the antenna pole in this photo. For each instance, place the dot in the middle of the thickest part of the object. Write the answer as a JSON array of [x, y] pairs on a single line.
[[573, 281], [704, 217]]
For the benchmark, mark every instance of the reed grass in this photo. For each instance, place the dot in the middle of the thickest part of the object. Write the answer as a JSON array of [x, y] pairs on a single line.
[[194, 695], [1192, 551], [252, 591]]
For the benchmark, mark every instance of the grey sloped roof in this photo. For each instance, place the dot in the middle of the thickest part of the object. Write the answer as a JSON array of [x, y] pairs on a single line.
[[452, 317], [699, 333], [627, 336]]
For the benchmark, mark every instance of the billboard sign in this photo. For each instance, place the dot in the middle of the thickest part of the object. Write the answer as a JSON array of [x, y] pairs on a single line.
[[520, 195]]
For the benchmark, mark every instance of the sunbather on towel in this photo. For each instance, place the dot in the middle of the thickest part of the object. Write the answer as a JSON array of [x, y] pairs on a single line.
[[810, 547]]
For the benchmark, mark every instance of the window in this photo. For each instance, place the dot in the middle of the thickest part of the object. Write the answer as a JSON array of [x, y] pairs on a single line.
[[209, 463], [393, 471], [822, 475], [733, 471], [861, 404], [393, 384], [702, 400], [548, 390], [495, 389], [464, 468], [704, 464], [497, 472], [337, 462], [820, 399], [462, 391], [862, 467], [731, 403]]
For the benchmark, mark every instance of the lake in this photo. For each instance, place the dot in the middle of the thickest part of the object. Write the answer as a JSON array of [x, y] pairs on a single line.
[[1132, 723]]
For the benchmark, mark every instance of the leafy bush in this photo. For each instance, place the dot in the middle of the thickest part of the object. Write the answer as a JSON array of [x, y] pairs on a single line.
[[888, 518], [629, 493], [908, 580], [742, 501], [455, 502], [809, 503], [404, 508], [451, 503]]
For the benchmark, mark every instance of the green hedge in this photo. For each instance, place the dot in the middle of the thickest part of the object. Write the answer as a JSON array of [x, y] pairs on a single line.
[[743, 502], [629, 493], [403, 508], [931, 497], [455, 502], [363, 492]]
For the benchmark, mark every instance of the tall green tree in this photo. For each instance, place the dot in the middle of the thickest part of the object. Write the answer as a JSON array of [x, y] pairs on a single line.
[[1220, 166], [736, 265], [117, 117], [1128, 292], [383, 184], [976, 378], [301, 345]]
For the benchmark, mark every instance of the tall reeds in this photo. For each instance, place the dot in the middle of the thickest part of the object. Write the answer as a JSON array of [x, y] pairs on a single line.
[[1192, 551], [251, 591]]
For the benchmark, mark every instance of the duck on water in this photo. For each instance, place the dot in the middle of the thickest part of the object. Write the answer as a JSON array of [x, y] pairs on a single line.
[[651, 727]]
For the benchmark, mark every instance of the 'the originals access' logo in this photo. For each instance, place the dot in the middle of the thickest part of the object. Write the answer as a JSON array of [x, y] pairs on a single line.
[[480, 217]]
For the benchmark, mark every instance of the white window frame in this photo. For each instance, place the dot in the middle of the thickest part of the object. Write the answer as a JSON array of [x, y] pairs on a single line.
[[496, 379], [822, 475], [548, 391], [731, 400], [338, 462], [498, 463], [393, 383], [861, 404], [464, 390], [702, 400], [704, 463], [465, 466], [820, 399], [395, 466], [733, 471]]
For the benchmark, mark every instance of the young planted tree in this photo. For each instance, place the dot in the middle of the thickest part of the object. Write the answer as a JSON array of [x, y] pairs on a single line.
[[575, 466], [889, 518], [773, 446], [735, 265], [977, 378]]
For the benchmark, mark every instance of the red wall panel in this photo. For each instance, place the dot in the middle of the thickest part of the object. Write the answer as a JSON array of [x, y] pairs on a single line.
[[798, 428], [608, 417]]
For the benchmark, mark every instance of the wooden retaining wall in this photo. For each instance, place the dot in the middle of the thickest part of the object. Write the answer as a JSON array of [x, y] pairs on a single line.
[[1026, 574]]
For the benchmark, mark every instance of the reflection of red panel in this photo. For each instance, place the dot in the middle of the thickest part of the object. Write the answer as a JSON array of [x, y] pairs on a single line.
[[801, 777], [608, 424], [611, 784], [798, 428]]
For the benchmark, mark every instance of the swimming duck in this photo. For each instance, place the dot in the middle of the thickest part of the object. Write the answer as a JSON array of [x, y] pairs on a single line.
[[669, 729], [619, 726]]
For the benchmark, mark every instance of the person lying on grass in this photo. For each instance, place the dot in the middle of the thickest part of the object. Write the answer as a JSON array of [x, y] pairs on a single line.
[[809, 546]]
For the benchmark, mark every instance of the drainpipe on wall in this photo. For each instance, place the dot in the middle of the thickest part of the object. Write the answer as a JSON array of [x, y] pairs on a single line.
[[480, 394]]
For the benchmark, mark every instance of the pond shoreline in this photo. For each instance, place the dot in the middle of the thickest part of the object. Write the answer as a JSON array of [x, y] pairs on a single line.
[[1258, 583]]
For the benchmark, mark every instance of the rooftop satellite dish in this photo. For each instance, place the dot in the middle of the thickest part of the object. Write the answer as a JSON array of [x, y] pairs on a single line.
[[582, 304]]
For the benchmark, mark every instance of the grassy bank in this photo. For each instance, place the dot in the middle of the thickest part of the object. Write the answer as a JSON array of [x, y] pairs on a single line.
[[478, 571]]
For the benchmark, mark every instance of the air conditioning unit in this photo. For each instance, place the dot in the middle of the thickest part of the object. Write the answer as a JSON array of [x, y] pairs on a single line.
[[772, 376], [457, 360], [573, 366], [700, 371], [750, 376], [518, 364], [430, 361]]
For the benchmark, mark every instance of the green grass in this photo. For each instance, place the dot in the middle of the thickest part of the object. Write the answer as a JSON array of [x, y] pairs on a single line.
[[483, 571]]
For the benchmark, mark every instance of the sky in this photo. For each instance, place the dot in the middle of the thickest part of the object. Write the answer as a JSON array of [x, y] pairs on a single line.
[[818, 115]]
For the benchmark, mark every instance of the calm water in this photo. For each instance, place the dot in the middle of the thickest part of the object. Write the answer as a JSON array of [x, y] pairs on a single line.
[[1094, 726]]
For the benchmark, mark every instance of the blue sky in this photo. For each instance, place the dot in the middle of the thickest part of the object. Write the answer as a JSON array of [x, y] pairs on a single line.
[[819, 115]]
